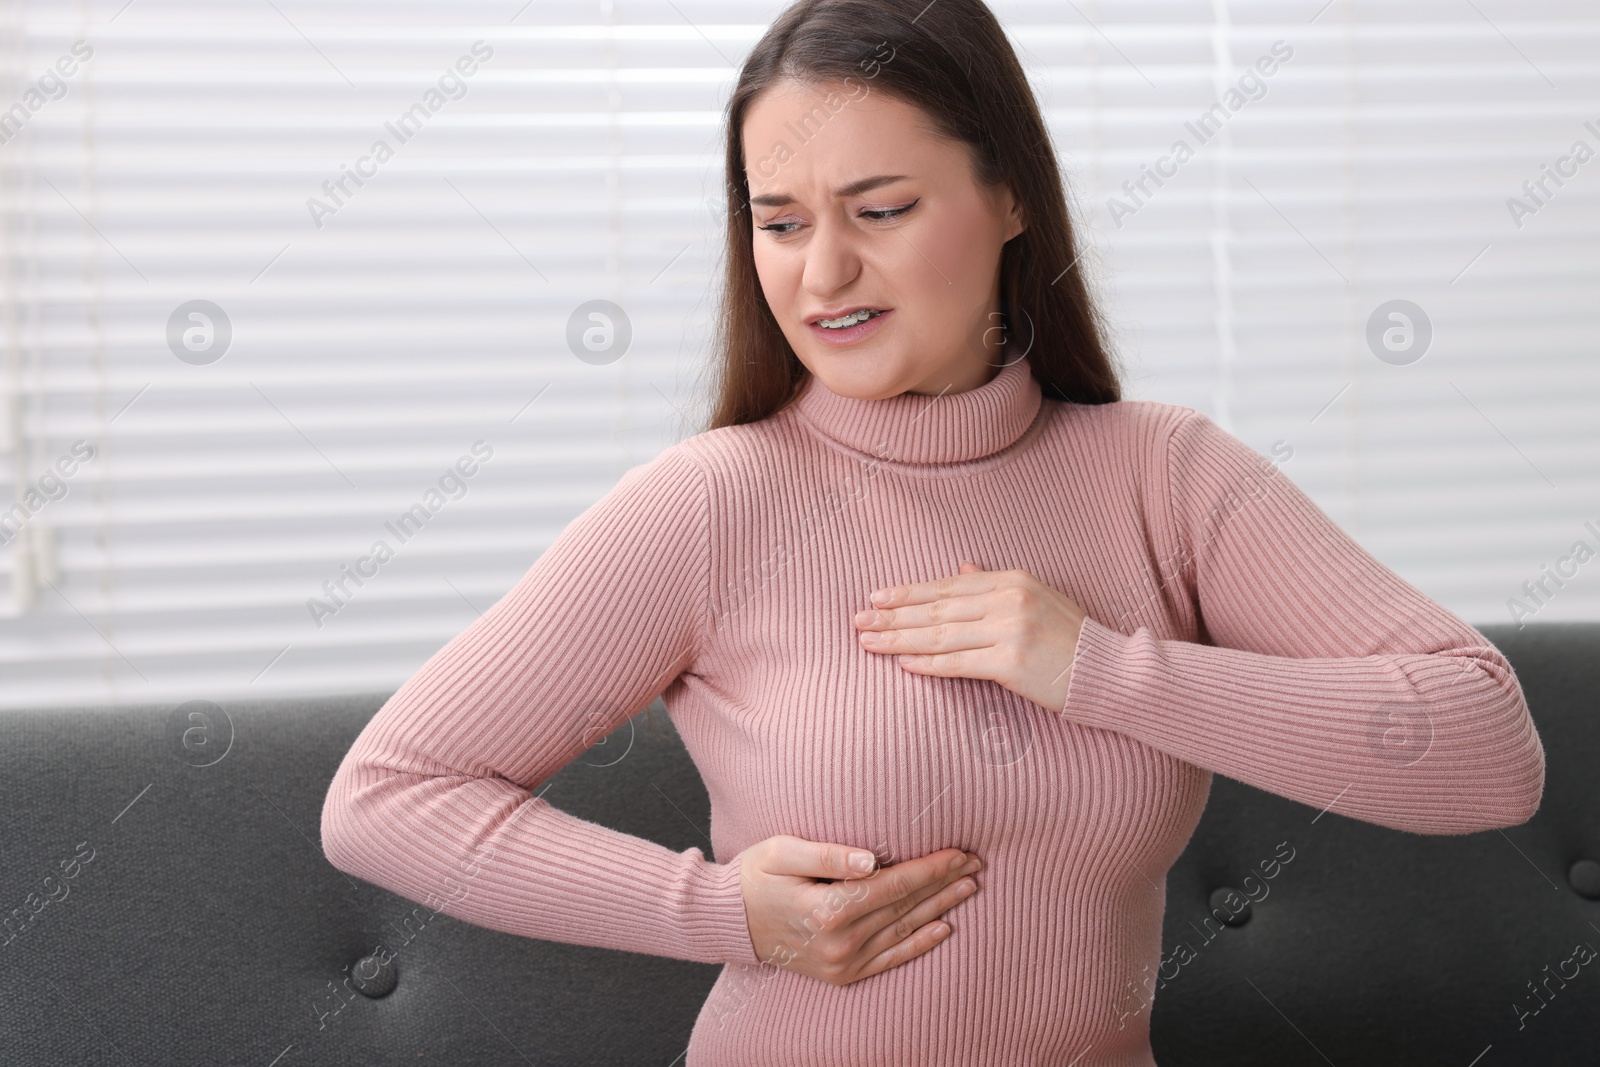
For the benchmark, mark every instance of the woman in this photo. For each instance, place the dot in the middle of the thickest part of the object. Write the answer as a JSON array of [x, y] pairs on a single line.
[[928, 593]]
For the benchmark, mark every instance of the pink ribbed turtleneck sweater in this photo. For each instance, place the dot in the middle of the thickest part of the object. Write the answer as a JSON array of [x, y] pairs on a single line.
[[1233, 628]]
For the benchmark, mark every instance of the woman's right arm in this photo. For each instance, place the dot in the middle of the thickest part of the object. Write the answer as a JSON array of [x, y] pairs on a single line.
[[433, 801]]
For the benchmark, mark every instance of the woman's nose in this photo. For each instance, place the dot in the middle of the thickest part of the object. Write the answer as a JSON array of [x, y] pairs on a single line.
[[832, 259]]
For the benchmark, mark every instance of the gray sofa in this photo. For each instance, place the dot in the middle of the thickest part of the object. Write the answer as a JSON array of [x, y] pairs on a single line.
[[167, 902]]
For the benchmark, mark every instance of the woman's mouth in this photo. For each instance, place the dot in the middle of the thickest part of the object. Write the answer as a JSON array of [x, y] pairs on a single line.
[[848, 329]]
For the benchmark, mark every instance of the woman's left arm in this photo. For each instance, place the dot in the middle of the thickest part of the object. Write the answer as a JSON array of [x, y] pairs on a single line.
[[1328, 680]]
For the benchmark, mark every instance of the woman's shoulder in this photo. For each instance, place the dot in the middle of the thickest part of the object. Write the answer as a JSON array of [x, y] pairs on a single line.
[[747, 453], [1121, 424]]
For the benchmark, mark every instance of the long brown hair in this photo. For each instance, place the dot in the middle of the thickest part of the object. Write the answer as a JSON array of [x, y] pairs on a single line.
[[951, 59]]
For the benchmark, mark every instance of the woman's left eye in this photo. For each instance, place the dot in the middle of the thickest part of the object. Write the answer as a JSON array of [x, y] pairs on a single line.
[[890, 213]]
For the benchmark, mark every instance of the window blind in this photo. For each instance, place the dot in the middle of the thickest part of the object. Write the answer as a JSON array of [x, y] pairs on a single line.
[[300, 365]]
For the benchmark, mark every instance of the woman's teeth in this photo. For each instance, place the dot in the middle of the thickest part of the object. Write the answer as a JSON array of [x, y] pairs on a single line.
[[852, 319]]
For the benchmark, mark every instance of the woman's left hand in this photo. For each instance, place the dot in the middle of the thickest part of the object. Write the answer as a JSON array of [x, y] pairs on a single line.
[[1003, 626]]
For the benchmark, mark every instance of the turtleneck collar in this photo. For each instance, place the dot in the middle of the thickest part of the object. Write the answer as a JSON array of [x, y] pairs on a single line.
[[912, 428]]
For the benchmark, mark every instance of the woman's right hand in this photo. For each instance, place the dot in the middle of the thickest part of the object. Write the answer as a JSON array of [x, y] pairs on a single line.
[[853, 928]]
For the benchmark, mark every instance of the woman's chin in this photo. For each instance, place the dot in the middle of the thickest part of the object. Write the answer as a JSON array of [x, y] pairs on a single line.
[[862, 373]]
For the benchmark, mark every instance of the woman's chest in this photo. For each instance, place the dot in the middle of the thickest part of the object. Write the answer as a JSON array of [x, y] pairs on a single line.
[[820, 738]]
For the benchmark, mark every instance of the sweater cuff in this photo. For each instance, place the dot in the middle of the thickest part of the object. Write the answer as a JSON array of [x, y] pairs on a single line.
[[728, 930], [1093, 686]]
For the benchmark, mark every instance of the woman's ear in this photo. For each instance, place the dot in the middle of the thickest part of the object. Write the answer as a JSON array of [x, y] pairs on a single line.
[[1016, 216]]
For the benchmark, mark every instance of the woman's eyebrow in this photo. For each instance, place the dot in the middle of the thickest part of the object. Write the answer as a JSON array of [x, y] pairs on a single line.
[[855, 188]]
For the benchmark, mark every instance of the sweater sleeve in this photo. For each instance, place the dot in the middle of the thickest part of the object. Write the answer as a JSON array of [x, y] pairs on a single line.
[[435, 800], [1321, 675]]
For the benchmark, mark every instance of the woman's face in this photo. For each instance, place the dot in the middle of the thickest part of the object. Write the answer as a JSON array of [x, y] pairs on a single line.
[[923, 247]]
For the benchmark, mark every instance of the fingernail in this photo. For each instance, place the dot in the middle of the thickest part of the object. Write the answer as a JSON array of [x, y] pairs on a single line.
[[959, 862], [863, 862]]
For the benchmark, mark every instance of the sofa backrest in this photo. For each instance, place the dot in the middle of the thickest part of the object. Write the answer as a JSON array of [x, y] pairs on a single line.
[[167, 901], [1375, 946]]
